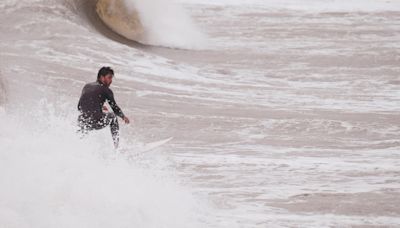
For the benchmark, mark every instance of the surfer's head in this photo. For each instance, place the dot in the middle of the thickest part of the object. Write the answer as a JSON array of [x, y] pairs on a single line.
[[105, 76]]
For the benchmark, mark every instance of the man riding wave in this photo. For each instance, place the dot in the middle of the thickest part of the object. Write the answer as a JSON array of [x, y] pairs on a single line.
[[91, 106]]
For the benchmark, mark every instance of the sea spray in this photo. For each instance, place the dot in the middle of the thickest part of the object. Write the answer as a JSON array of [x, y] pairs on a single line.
[[152, 22], [50, 177]]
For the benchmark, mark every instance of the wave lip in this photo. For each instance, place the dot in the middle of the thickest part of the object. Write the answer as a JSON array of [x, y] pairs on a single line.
[[151, 22]]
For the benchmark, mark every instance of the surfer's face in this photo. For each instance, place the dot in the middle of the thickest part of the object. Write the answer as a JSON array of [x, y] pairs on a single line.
[[107, 80]]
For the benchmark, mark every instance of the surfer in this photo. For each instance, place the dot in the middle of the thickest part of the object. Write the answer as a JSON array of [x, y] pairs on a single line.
[[93, 114]]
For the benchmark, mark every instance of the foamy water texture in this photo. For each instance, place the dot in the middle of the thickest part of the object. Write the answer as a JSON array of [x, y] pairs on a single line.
[[49, 177], [155, 22], [290, 118], [309, 5]]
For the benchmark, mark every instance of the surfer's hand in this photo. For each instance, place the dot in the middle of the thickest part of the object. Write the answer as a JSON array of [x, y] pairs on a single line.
[[126, 120]]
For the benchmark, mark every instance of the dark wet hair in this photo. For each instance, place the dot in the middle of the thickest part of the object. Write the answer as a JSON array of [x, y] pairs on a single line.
[[104, 71]]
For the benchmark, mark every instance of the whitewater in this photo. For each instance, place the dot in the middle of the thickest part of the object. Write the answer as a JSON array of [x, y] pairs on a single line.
[[282, 113]]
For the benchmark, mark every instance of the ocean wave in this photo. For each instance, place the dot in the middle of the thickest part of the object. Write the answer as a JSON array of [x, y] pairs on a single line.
[[151, 22], [52, 178]]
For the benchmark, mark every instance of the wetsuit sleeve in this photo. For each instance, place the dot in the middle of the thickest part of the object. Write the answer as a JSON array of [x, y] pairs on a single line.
[[113, 104]]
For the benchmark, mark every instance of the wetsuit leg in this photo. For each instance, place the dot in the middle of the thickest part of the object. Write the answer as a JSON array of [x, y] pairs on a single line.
[[87, 125], [114, 127], [112, 120]]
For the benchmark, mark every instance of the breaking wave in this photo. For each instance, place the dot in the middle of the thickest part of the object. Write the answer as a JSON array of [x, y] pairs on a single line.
[[152, 22], [51, 178]]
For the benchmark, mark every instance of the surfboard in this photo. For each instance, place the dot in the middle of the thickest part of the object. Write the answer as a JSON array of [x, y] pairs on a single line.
[[139, 149], [154, 145]]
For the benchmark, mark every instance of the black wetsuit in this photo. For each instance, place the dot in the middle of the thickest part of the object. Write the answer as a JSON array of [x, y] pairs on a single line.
[[92, 117]]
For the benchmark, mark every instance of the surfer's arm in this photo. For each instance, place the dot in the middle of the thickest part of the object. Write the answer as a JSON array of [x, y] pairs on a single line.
[[111, 101]]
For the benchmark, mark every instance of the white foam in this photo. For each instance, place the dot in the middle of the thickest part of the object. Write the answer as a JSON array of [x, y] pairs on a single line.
[[51, 178], [153, 22], [310, 5]]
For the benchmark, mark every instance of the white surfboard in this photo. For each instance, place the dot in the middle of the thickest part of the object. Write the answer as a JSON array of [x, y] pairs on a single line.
[[138, 150], [153, 145]]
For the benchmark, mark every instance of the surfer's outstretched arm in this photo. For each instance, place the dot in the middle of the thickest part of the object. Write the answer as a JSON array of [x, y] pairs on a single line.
[[117, 110]]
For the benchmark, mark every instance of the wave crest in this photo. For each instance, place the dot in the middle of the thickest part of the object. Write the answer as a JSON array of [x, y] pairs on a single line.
[[118, 18], [152, 22]]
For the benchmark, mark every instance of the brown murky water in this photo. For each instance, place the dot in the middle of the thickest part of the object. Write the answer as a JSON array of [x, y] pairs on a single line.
[[288, 118]]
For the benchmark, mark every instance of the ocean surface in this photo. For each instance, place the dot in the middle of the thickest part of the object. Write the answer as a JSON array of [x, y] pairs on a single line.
[[283, 114]]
